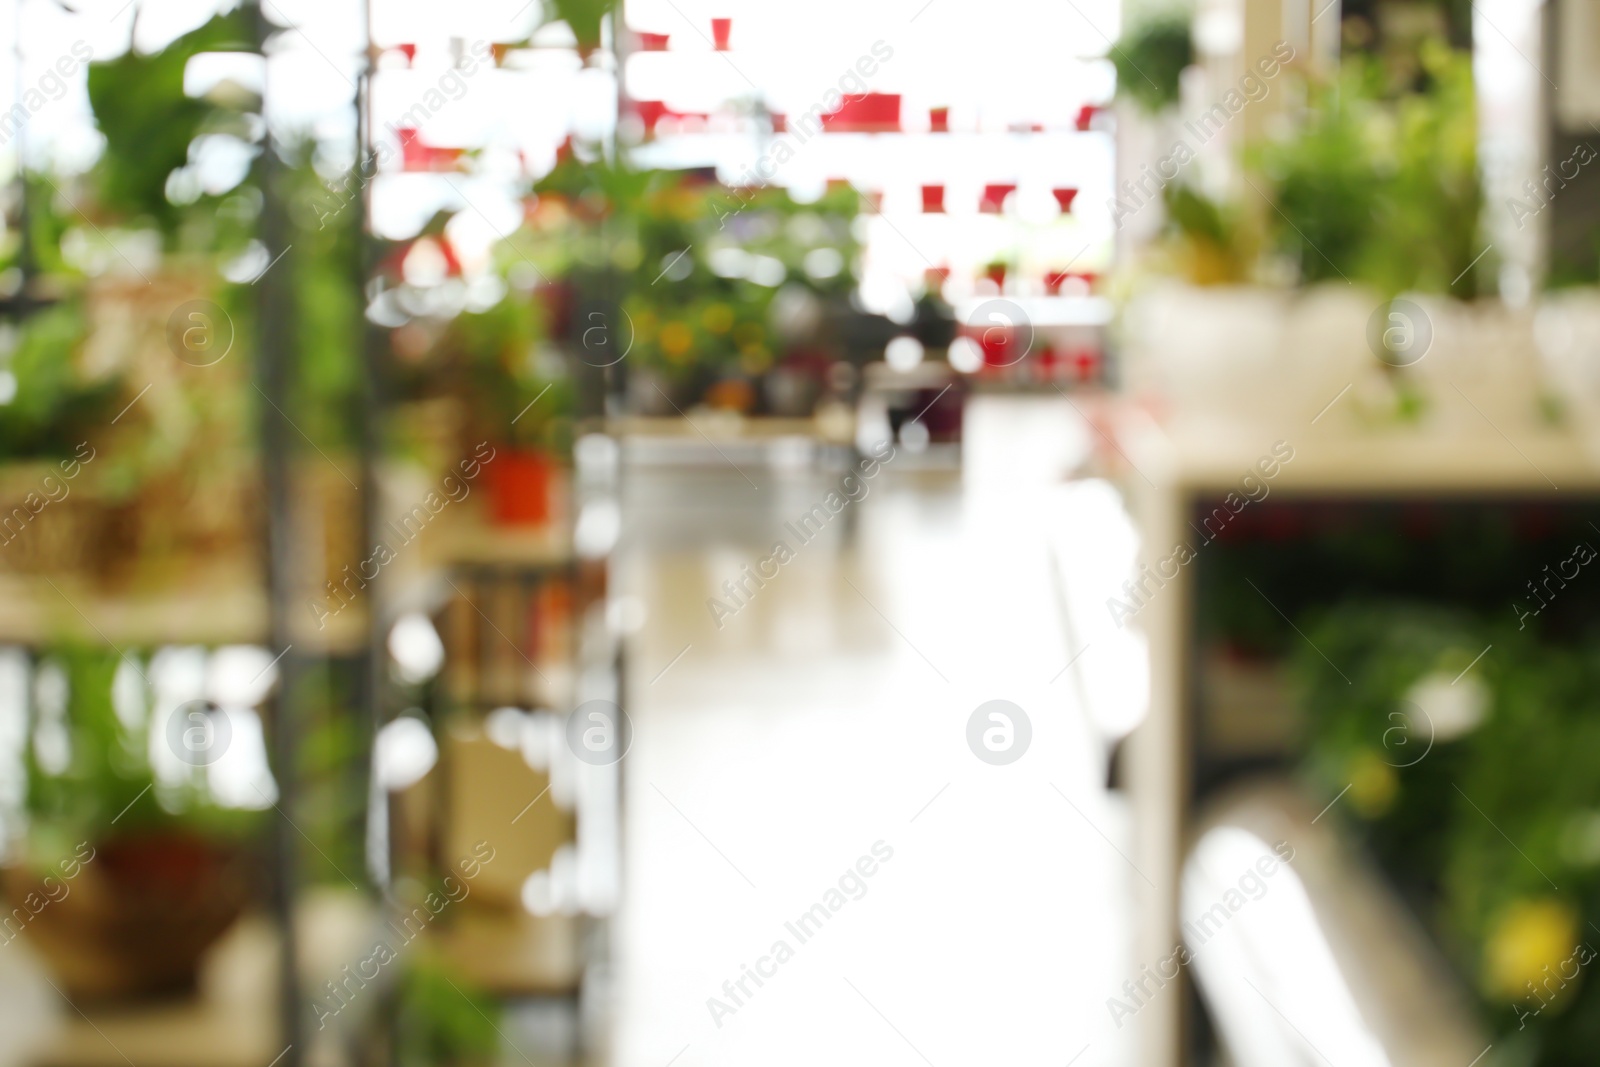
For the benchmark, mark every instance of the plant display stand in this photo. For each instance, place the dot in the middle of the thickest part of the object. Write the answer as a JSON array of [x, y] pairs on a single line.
[[1173, 483]]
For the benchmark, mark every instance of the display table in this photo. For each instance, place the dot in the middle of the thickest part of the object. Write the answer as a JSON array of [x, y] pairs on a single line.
[[1170, 478]]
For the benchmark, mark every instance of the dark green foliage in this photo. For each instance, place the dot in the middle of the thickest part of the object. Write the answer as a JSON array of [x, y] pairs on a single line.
[[148, 122], [55, 407], [1483, 821], [1150, 60], [585, 17], [443, 1019], [107, 787]]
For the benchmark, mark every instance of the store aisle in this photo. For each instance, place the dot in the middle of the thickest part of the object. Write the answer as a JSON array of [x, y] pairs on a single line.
[[812, 751]]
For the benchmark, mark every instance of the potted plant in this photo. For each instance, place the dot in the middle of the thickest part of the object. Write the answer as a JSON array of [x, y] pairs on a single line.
[[122, 879], [518, 401]]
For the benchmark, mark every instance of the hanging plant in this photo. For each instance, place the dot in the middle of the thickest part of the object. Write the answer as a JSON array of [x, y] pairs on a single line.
[[1150, 61]]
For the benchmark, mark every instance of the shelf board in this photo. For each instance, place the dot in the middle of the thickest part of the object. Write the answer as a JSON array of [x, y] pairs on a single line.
[[217, 605], [1388, 461]]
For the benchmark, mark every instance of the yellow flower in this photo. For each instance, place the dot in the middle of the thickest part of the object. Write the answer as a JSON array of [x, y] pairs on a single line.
[[676, 340], [753, 359], [718, 318], [1373, 784], [644, 327], [1526, 938]]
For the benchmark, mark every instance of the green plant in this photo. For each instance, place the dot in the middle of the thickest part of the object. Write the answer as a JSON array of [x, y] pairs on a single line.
[[55, 403], [585, 17], [1440, 818], [444, 1021], [1150, 59], [89, 775], [1205, 237], [516, 390], [150, 124], [1380, 188], [712, 261]]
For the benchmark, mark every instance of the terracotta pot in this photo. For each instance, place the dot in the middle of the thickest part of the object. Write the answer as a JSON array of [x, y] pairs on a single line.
[[721, 33], [519, 487], [933, 198], [134, 919], [732, 392]]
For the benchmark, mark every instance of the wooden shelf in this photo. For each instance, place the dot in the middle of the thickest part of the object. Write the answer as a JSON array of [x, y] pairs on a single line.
[[219, 605], [727, 426], [1383, 462], [1164, 473]]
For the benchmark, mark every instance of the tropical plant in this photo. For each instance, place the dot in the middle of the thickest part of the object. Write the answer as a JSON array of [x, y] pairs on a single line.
[[150, 126]]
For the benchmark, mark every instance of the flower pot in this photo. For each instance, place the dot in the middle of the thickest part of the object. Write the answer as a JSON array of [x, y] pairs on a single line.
[[865, 113], [519, 487], [134, 919], [721, 33], [653, 42], [933, 199], [939, 119], [999, 346], [994, 197], [1065, 196], [731, 392]]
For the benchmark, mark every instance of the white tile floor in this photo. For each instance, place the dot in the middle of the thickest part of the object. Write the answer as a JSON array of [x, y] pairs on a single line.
[[831, 714]]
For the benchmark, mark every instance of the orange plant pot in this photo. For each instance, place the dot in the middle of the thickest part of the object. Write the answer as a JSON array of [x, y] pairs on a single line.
[[519, 487]]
